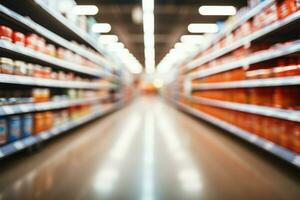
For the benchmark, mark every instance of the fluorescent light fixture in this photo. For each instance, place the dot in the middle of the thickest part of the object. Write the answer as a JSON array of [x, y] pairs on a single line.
[[203, 28], [149, 40], [195, 39], [148, 5], [85, 10], [137, 15], [101, 28], [148, 22], [107, 39], [217, 10]]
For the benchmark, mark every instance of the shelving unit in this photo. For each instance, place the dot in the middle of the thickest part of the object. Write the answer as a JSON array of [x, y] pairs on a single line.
[[218, 87], [243, 41], [12, 148], [74, 93], [34, 27], [274, 149], [37, 107], [292, 115], [40, 82], [42, 58], [268, 82], [252, 59]]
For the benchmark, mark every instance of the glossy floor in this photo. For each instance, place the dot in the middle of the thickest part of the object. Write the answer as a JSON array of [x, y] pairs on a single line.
[[147, 151]]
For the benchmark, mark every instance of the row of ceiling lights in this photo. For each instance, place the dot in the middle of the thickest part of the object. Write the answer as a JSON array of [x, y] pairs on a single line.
[[110, 41], [148, 27], [180, 50]]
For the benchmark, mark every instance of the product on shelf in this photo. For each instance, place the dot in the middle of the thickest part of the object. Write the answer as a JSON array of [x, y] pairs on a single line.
[[3, 130], [14, 128], [39, 44], [282, 132], [6, 66], [6, 33], [18, 38]]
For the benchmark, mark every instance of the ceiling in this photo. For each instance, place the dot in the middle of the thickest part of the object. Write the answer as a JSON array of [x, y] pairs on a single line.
[[171, 20]]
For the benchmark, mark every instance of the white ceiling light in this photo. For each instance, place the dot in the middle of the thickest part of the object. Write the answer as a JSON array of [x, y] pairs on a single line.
[[149, 40], [148, 25], [148, 5], [85, 10], [101, 28], [217, 10], [203, 28], [107, 39], [195, 39], [137, 15]]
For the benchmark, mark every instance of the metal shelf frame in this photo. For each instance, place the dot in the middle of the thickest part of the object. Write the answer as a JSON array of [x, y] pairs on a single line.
[[243, 41], [266, 82], [252, 59], [281, 152], [49, 60], [21, 144], [51, 105], [41, 82], [31, 25], [285, 114]]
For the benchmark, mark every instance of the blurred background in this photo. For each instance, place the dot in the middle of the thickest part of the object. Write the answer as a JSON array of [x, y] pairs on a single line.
[[149, 99]]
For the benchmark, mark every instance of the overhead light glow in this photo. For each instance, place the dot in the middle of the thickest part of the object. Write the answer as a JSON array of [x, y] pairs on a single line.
[[108, 39], [148, 19], [101, 28], [195, 39], [148, 5], [203, 28], [85, 10], [149, 40], [217, 10]]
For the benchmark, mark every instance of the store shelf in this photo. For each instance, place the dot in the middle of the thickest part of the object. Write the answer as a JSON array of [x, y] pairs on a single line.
[[9, 149], [291, 115], [242, 19], [267, 82], [31, 25], [273, 148], [49, 60], [243, 41], [40, 82], [52, 105], [255, 58]]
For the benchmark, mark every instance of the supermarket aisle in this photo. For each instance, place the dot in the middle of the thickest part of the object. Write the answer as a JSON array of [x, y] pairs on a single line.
[[147, 151]]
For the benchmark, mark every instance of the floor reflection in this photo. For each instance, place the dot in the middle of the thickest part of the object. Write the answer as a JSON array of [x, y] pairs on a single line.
[[147, 151], [187, 172]]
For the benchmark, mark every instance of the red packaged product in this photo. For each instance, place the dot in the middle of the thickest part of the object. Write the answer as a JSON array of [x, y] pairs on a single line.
[[284, 129], [30, 41], [5, 33], [293, 5], [296, 138], [18, 38], [282, 9]]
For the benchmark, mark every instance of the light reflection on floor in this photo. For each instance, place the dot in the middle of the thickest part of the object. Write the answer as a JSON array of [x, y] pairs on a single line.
[[187, 172], [147, 151]]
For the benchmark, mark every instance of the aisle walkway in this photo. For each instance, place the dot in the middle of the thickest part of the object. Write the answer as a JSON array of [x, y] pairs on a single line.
[[147, 151]]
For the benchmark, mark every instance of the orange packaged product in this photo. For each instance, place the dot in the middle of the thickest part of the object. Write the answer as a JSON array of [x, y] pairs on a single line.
[[287, 97], [282, 9], [293, 5], [264, 127], [274, 132], [285, 137], [49, 120], [296, 138], [38, 123]]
